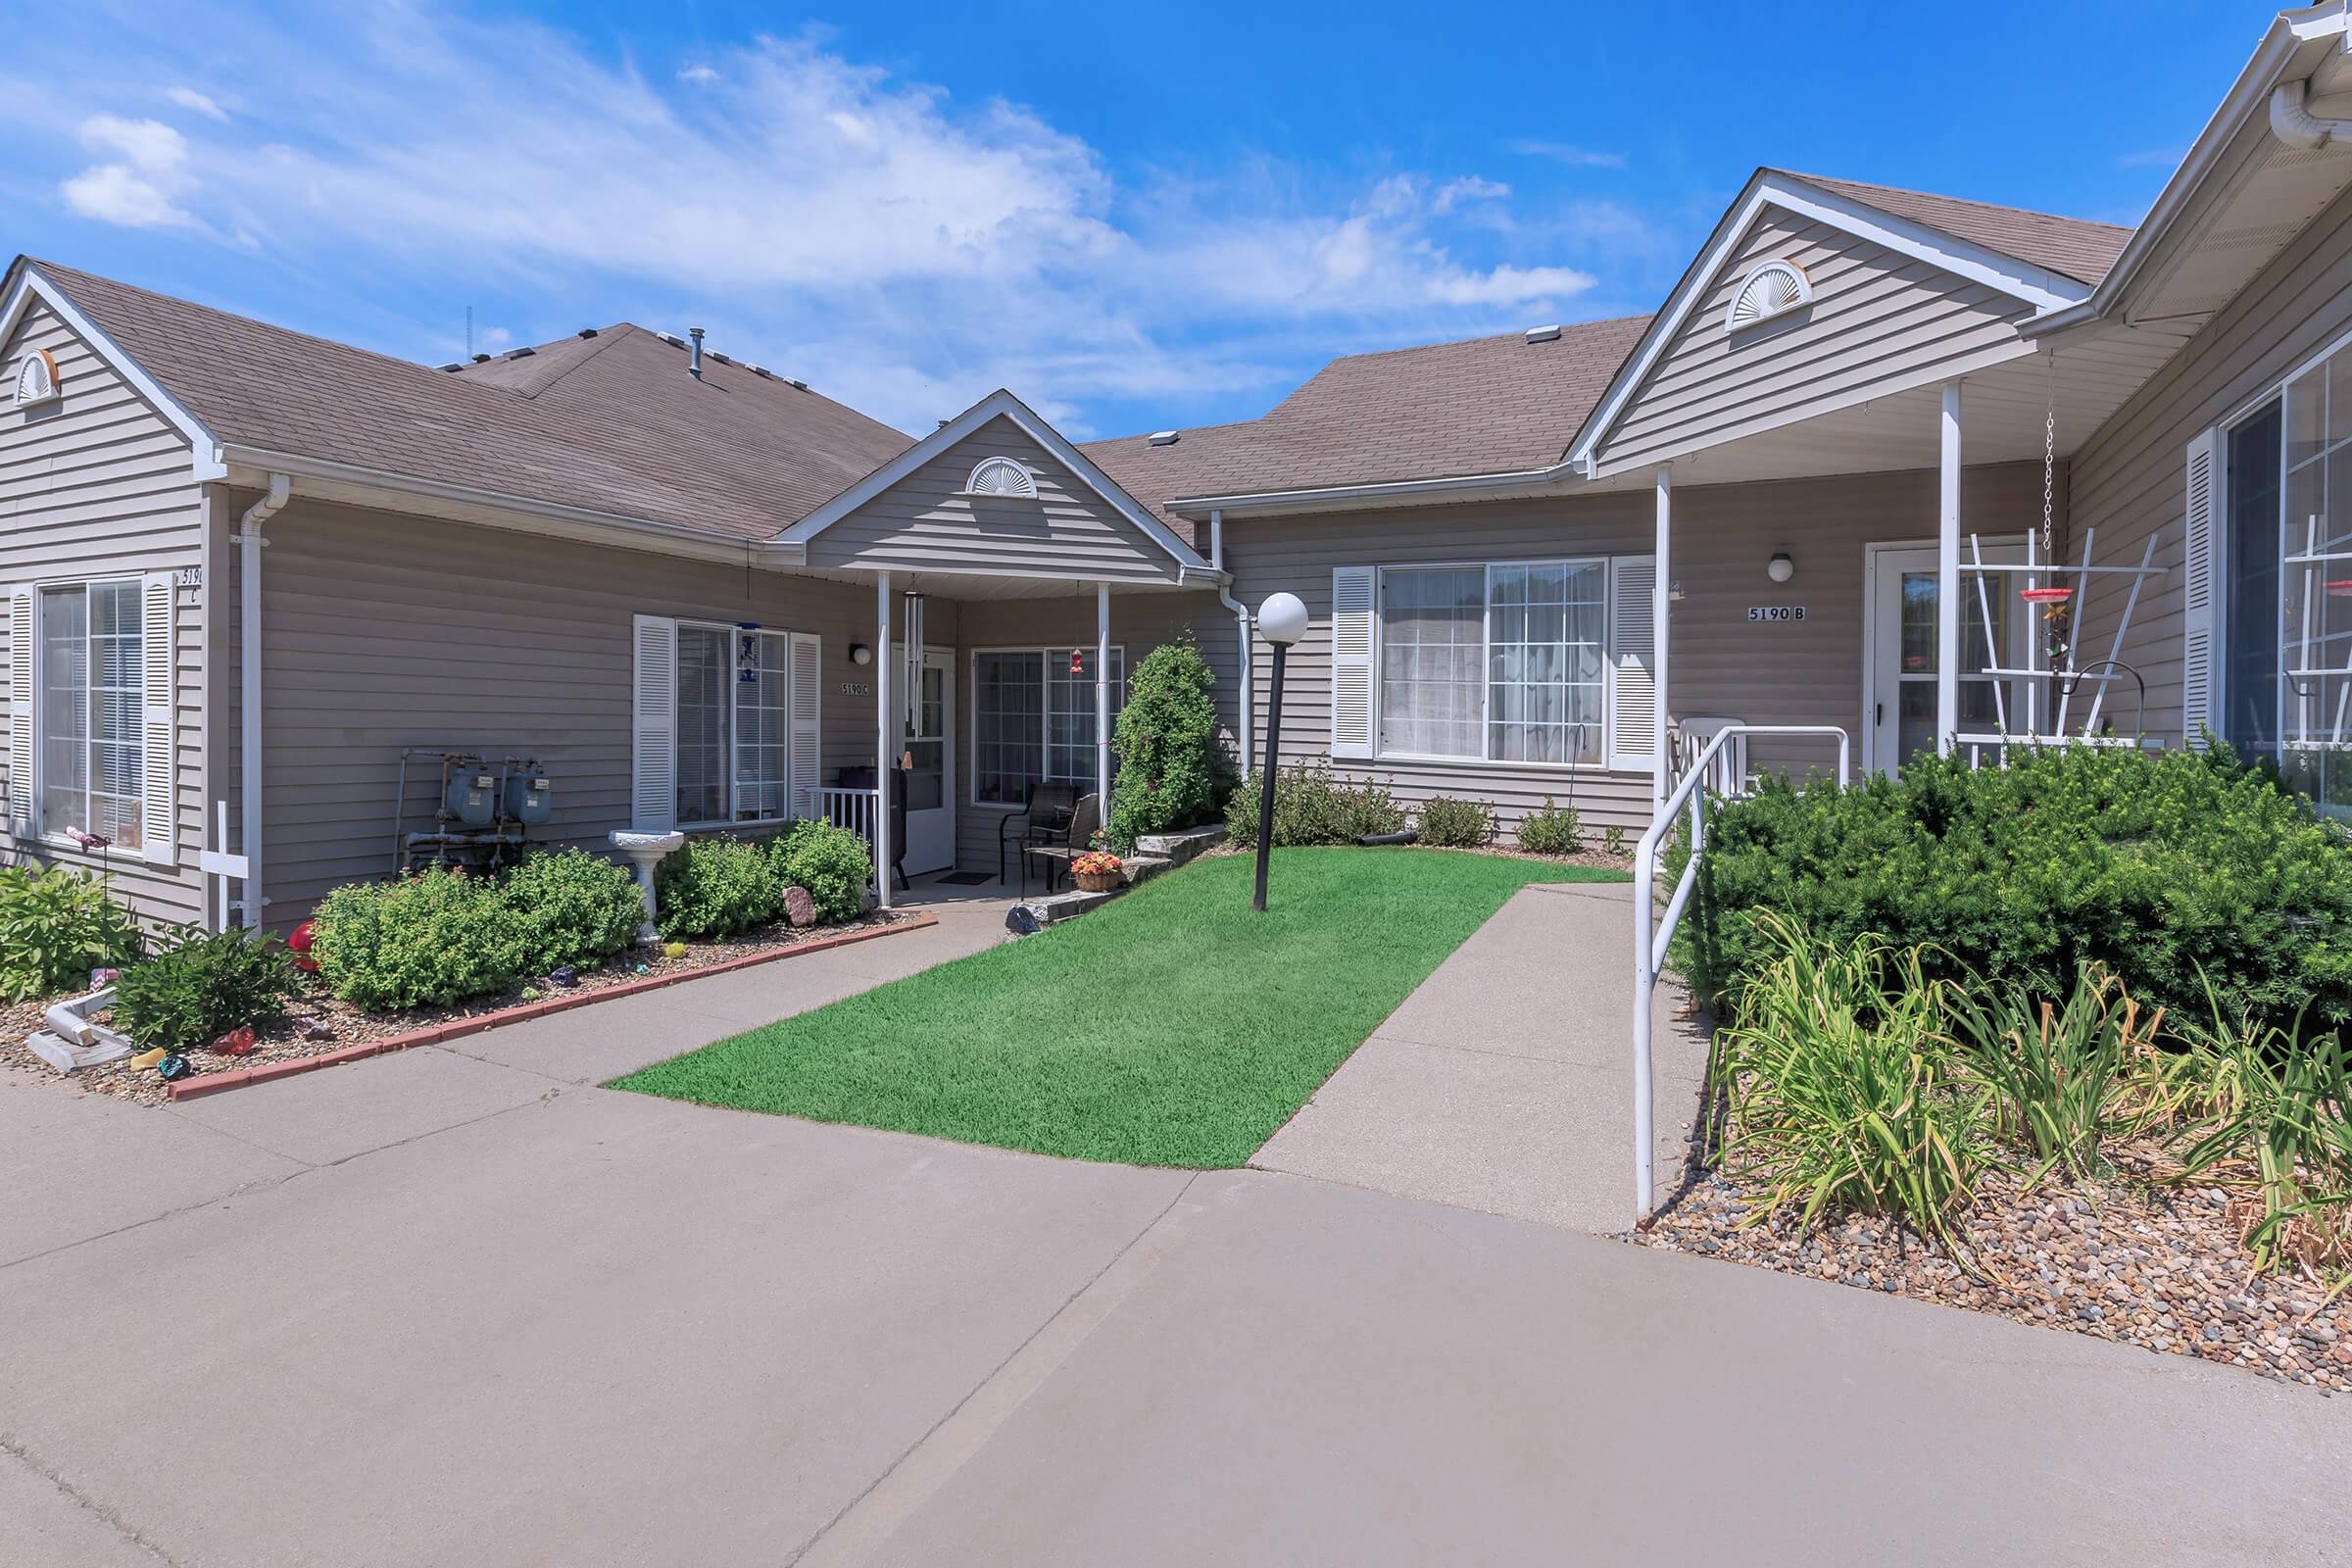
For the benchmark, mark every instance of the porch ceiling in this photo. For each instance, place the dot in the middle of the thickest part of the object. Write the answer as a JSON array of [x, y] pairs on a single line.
[[2000, 417], [975, 585]]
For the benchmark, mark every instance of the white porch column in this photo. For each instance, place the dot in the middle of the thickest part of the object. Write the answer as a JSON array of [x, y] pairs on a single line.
[[1947, 579], [1103, 701], [1660, 601], [885, 749]]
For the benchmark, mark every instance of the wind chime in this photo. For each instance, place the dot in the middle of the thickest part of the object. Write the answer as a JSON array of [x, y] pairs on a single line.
[[912, 686]]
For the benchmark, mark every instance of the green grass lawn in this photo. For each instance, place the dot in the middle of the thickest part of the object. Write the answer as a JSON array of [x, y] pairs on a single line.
[[1170, 1027]]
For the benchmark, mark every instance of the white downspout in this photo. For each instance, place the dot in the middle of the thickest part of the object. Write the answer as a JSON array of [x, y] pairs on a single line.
[[1240, 620], [2293, 123], [250, 544]]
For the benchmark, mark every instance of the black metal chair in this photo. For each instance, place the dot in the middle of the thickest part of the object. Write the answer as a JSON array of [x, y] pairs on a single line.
[[1074, 840], [1044, 819]]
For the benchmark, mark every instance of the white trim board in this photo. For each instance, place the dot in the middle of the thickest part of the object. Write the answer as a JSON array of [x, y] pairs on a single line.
[[2036, 286], [999, 404], [204, 461]]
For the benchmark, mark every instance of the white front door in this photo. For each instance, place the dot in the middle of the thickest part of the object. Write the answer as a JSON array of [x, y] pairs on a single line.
[[1899, 686], [930, 774]]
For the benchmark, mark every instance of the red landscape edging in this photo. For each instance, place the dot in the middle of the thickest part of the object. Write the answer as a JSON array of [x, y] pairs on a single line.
[[213, 1083]]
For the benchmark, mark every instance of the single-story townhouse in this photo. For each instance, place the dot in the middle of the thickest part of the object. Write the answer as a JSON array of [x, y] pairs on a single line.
[[246, 573]]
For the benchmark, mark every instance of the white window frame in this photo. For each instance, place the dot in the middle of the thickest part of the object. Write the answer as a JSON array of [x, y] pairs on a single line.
[[37, 645], [731, 820], [1044, 741], [1485, 655], [2247, 409]]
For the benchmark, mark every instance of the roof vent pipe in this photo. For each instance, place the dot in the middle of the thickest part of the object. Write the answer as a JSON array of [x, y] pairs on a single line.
[[694, 366], [2296, 126]]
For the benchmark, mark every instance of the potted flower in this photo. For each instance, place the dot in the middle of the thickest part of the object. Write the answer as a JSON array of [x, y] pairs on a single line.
[[1096, 871]]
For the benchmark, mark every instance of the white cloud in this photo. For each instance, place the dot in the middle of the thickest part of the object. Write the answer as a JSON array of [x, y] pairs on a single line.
[[1560, 152], [141, 185], [190, 98], [903, 248]]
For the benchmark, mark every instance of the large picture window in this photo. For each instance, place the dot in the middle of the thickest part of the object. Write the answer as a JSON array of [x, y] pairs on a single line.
[[91, 708], [1504, 664], [734, 724], [1033, 719]]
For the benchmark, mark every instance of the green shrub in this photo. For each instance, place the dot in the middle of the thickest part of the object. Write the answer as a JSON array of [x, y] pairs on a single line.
[[2162, 869], [1550, 830], [832, 863], [1455, 824], [1612, 840], [430, 939], [572, 908], [200, 987], [55, 925], [1173, 771], [1842, 1092], [1310, 807], [716, 887]]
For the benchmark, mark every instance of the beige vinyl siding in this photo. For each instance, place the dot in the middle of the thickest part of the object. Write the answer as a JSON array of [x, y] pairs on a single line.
[[1877, 319], [1722, 665], [2130, 476], [382, 631], [1138, 623], [925, 523], [98, 484]]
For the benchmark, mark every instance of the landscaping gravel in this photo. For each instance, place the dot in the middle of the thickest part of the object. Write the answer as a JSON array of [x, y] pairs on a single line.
[[2142, 1263], [316, 1023]]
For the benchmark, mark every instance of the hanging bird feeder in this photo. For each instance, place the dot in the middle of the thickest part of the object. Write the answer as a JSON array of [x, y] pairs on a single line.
[[2045, 596], [2340, 589]]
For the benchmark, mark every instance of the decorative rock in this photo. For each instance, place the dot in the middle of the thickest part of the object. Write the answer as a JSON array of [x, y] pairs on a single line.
[[799, 908]]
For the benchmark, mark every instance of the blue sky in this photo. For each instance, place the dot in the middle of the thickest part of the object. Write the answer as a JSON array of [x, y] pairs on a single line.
[[1133, 216]]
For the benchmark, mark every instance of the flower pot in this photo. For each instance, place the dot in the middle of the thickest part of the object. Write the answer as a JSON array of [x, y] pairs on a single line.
[[1098, 881]]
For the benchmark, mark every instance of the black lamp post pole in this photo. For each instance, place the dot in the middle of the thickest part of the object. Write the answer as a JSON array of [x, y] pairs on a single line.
[[1265, 783]]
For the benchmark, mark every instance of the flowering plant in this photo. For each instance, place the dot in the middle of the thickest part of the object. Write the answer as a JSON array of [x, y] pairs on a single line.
[[1096, 862]]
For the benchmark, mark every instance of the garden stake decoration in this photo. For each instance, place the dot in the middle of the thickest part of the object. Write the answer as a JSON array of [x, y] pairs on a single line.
[[1281, 618]]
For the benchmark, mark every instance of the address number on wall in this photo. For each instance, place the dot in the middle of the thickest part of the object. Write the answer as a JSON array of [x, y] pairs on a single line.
[[1776, 611]]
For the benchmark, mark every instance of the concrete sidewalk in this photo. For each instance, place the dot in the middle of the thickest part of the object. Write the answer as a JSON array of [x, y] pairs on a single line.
[[1504, 1083]]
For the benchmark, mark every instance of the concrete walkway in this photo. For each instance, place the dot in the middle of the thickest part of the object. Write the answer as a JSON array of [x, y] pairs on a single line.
[[1504, 1083], [449, 1307]]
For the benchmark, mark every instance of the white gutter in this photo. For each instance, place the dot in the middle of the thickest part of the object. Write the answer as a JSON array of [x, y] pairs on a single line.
[[249, 687], [1240, 621], [2293, 123]]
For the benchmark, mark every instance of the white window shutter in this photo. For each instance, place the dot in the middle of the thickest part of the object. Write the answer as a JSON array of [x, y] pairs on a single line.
[[808, 733], [1632, 664], [22, 806], [2202, 575], [1352, 610], [158, 760], [653, 725]]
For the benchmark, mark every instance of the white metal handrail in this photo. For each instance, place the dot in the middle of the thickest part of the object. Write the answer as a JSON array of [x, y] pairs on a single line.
[[1654, 933]]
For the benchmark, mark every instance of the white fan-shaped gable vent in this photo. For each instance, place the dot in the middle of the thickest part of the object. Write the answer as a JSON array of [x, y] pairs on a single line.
[[37, 378], [1770, 289], [1001, 476]]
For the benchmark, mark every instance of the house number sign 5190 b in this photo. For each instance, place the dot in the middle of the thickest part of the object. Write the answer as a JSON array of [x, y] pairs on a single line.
[[1776, 611]]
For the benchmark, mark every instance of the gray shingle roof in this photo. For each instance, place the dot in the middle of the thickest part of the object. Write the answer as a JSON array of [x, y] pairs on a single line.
[[2073, 247], [1488, 405], [611, 422]]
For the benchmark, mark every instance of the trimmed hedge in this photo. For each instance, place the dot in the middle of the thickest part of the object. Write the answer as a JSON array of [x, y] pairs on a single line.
[[721, 887], [426, 940], [1310, 807], [1456, 824], [1551, 829], [2170, 870], [834, 865], [574, 909]]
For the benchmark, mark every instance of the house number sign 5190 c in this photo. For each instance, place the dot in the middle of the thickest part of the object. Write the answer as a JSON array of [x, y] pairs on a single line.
[[1776, 611]]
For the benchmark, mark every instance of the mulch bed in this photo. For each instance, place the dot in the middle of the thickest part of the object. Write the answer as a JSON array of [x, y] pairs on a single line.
[[313, 1011], [2125, 1259]]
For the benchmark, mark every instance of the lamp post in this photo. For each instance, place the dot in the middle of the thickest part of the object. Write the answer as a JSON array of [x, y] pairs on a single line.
[[1281, 620]]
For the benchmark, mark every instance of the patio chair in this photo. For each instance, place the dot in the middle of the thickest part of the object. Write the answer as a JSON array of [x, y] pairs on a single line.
[[1076, 839], [1044, 819]]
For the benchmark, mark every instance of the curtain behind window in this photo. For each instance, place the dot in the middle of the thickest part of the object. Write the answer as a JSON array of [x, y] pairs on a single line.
[[1431, 645]]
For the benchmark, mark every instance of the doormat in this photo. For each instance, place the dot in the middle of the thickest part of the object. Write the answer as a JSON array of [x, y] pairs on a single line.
[[966, 879]]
